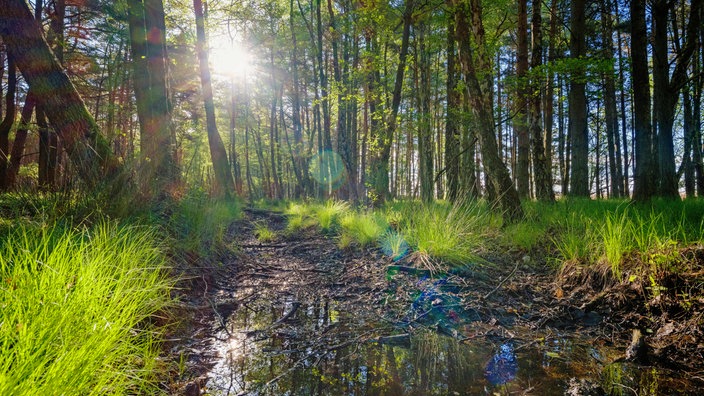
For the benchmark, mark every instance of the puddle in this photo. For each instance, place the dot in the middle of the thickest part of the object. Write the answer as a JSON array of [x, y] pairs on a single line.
[[304, 319], [321, 350]]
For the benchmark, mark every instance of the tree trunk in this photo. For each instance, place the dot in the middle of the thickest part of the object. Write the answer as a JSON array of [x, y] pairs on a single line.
[[218, 154], [520, 120], [425, 135], [645, 171], [666, 89], [20, 139], [578, 133], [379, 172], [7, 121], [149, 65], [610, 111], [541, 166], [475, 61], [452, 117], [86, 148]]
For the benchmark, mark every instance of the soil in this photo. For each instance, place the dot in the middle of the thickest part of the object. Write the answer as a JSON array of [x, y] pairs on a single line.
[[508, 290]]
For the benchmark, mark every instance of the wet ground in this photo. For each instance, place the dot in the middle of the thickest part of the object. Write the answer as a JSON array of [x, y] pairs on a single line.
[[299, 316]]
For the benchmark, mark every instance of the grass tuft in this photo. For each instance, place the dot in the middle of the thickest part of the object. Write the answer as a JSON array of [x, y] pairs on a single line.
[[264, 233], [363, 228], [75, 311]]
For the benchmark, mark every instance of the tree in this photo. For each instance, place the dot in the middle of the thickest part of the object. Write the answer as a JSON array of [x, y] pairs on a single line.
[[149, 73], [541, 166], [666, 88], [475, 61], [520, 120], [7, 121], [645, 167], [25, 43], [578, 133], [218, 154]]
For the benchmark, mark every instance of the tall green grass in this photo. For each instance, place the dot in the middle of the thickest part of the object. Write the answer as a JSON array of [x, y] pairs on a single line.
[[199, 223], [76, 309], [606, 232], [450, 234]]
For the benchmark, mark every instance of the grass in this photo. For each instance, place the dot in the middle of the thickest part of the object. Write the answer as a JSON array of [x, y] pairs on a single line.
[[264, 233], [363, 228], [76, 309], [199, 223]]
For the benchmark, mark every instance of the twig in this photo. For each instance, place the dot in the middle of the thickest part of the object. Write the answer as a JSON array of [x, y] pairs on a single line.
[[502, 282]]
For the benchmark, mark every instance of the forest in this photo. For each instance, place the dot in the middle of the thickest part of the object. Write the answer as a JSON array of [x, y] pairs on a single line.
[[324, 197]]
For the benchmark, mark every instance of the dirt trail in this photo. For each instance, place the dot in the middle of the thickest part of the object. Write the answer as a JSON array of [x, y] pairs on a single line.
[[275, 314]]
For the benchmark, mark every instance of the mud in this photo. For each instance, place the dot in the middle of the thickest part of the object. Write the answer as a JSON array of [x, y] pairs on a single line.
[[300, 316]]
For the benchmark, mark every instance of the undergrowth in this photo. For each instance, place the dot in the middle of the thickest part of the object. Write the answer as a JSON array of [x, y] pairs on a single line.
[[583, 232], [76, 309]]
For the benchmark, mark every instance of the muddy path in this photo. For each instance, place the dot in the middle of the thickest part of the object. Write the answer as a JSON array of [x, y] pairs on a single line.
[[299, 316]]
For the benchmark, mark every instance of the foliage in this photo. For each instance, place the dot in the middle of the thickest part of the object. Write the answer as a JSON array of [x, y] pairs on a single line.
[[362, 228], [264, 233], [329, 213], [452, 234], [76, 306], [199, 222]]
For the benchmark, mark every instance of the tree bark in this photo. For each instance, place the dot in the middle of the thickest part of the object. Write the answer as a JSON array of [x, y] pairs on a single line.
[[610, 112], [520, 120], [7, 121], [452, 117], [541, 166], [149, 61], [379, 172], [578, 133], [645, 172], [425, 134], [666, 89], [20, 139]]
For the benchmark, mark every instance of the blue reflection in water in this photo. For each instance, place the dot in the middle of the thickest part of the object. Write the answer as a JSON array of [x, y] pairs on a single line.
[[503, 366]]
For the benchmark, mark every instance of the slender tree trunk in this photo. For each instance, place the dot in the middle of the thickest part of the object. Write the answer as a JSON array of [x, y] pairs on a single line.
[[383, 139], [541, 166], [624, 134], [7, 121], [578, 133], [20, 139], [474, 60], [425, 136], [610, 111], [149, 62], [452, 117], [645, 170], [666, 89], [218, 154], [520, 120], [302, 185]]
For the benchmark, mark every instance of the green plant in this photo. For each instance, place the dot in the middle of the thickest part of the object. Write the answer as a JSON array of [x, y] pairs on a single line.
[[328, 213], [364, 228], [75, 309], [616, 237], [450, 234], [263, 232], [394, 244], [199, 222]]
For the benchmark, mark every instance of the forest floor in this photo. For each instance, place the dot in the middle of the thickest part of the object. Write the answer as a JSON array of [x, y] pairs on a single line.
[[300, 284]]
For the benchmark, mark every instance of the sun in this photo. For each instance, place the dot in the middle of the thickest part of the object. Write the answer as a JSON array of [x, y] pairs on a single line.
[[229, 58]]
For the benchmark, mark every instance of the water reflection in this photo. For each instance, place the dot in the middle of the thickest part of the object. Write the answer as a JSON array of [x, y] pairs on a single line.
[[281, 346], [502, 367]]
